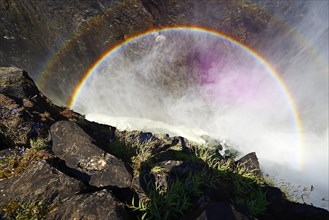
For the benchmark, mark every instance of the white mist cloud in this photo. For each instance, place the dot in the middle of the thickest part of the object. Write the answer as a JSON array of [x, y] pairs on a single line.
[[189, 83]]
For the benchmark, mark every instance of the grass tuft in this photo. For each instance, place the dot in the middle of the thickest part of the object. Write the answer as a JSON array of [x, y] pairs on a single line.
[[32, 210]]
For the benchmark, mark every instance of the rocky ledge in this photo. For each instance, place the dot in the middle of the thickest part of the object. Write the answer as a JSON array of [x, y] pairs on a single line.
[[54, 164]]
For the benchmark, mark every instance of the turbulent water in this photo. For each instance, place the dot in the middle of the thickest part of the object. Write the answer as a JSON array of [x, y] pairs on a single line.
[[190, 82]]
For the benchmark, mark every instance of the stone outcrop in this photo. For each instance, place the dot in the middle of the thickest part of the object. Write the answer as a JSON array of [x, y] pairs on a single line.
[[99, 168], [64, 196], [25, 113]]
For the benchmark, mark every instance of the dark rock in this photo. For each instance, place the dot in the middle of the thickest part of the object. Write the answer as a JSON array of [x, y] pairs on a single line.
[[62, 194], [170, 164], [97, 205], [281, 208], [39, 181], [221, 210], [186, 168], [16, 83], [91, 29], [250, 163], [24, 112], [147, 136], [72, 145]]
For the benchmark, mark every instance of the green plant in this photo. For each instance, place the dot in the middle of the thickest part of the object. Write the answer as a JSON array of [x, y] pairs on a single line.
[[32, 210], [254, 200], [157, 169], [38, 144], [246, 185], [122, 150], [174, 198], [16, 160], [162, 203]]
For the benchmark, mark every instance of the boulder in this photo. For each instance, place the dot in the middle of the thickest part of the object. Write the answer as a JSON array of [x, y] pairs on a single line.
[[16, 83], [98, 205], [63, 196], [250, 163], [39, 181], [24, 112], [281, 208], [221, 210], [99, 168]]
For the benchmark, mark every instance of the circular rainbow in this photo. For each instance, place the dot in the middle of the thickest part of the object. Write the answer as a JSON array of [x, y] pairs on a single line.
[[257, 56]]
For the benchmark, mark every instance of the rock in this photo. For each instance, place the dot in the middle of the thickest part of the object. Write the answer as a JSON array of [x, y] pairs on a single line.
[[97, 205], [24, 112], [39, 181], [221, 210], [66, 197], [93, 29], [72, 145], [16, 83], [281, 208], [250, 163]]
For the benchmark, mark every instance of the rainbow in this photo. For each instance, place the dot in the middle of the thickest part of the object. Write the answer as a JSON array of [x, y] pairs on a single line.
[[64, 44], [257, 56]]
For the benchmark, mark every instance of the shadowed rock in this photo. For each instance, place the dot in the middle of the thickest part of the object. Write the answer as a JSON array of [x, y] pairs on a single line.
[[25, 113], [97, 205], [66, 197], [250, 163], [72, 145], [39, 181]]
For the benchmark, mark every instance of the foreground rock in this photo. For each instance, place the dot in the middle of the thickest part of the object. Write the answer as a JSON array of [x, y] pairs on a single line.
[[93, 165], [25, 113], [66, 197], [98, 205]]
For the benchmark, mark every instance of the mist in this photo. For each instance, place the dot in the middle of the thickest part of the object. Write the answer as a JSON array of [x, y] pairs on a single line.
[[191, 83]]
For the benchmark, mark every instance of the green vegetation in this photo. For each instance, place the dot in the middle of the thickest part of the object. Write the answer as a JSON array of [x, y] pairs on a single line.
[[16, 160], [38, 144], [169, 195], [32, 210]]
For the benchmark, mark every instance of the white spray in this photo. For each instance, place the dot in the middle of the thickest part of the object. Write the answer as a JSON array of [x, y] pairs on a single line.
[[190, 83]]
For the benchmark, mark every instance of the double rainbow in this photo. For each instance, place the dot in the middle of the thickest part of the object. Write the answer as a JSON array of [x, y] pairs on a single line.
[[274, 74]]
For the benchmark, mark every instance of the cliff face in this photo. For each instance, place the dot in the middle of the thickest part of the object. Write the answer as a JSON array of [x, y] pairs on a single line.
[[33, 31]]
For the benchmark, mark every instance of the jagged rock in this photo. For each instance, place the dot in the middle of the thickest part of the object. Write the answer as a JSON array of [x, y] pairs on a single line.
[[66, 197], [281, 208], [250, 163], [24, 112], [221, 210], [16, 83], [72, 145], [97, 205], [39, 181]]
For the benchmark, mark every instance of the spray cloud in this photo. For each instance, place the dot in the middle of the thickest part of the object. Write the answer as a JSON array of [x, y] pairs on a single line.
[[190, 83]]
